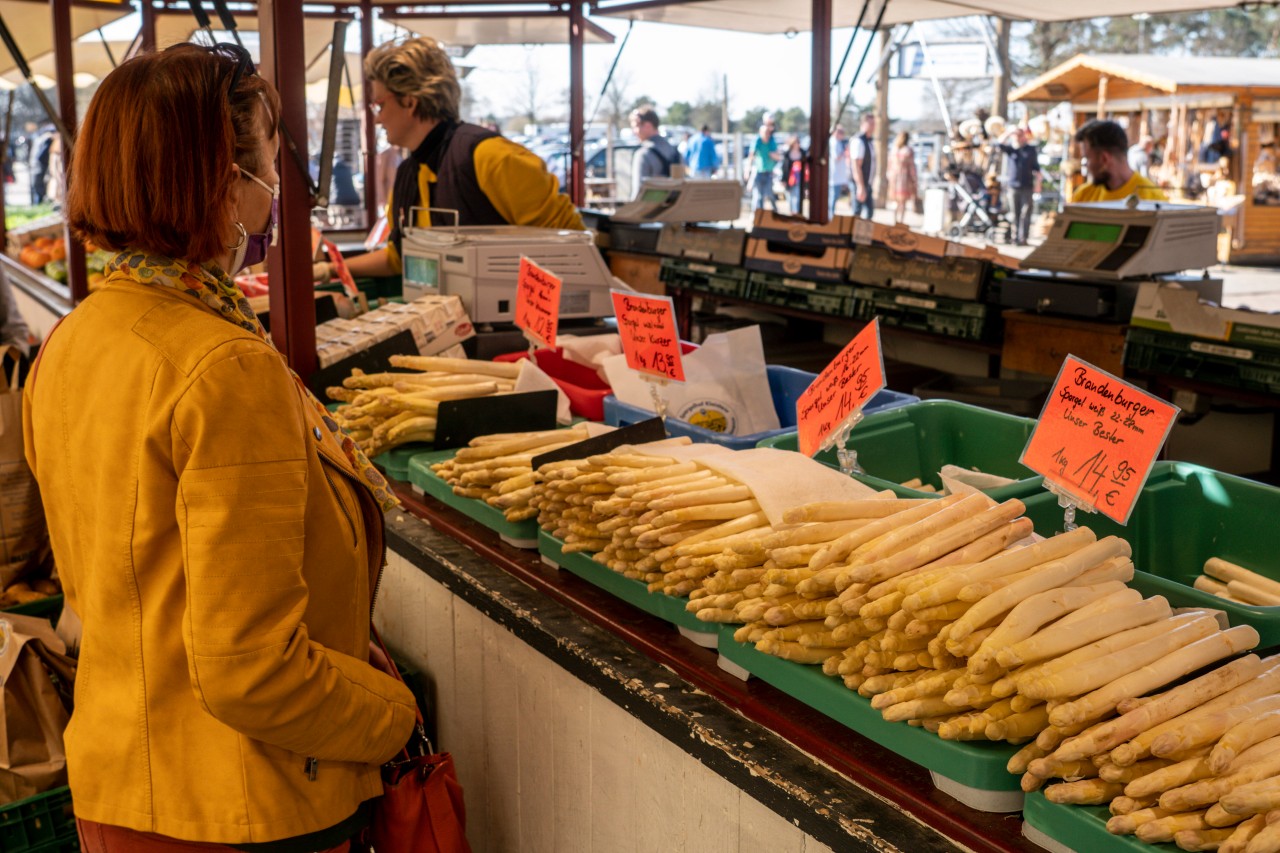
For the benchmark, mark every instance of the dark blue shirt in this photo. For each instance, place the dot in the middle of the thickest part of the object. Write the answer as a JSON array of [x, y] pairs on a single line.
[[1024, 163]]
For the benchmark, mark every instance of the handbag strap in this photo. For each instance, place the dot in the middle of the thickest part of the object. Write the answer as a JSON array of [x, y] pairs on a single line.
[[421, 740]]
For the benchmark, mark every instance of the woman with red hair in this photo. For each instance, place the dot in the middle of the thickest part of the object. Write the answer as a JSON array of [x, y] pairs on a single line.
[[218, 535]]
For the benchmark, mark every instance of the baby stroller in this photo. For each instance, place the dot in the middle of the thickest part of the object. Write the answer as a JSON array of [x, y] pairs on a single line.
[[979, 208]]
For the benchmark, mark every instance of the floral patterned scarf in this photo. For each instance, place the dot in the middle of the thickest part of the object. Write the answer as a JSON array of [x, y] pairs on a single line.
[[219, 293]]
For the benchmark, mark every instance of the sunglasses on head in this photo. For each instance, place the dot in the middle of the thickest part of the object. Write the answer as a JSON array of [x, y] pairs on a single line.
[[238, 55]]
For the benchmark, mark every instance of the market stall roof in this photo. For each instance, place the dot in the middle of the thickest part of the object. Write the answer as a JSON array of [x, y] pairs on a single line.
[[32, 27], [533, 28], [174, 27], [1077, 78], [770, 16], [89, 57]]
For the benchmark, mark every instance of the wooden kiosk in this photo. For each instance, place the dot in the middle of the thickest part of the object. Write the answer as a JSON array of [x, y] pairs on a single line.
[[1186, 104]]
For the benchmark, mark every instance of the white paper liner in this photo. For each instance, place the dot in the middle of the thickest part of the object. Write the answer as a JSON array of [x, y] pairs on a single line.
[[533, 378], [962, 481]]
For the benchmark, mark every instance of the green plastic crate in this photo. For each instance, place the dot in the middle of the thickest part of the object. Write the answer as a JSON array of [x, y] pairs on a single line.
[[635, 593], [49, 607], [972, 771], [918, 439], [1185, 515], [1080, 828], [40, 824], [705, 276], [938, 315], [396, 461], [521, 534]]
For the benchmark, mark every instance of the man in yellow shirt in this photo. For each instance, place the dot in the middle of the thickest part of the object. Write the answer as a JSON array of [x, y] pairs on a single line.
[[452, 165], [1105, 150]]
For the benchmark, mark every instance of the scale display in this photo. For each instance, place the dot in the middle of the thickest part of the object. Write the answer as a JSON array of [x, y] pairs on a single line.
[[1097, 232]]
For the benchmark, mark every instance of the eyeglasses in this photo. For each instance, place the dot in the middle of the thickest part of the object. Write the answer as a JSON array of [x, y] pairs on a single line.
[[242, 59]]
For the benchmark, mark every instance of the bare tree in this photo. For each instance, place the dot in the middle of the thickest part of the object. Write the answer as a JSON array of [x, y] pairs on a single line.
[[617, 99], [528, 95]]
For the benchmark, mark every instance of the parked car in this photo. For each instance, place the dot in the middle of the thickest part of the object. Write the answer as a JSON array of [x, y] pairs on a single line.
[[596, 157]]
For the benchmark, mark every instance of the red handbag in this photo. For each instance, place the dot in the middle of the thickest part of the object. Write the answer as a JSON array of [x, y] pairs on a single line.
[[421, 809]]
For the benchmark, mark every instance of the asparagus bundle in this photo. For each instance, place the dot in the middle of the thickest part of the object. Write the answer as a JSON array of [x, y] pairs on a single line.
[[1236, 583], [384, 410], [498, 469]]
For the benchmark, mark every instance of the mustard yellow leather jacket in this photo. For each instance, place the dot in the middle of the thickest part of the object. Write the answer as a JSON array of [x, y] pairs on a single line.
[[211, 535]]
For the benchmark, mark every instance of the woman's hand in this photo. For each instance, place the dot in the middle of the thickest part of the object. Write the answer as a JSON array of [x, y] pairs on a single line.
[[321, 272]]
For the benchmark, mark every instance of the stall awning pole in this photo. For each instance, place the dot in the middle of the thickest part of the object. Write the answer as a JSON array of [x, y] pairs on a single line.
[[577, 107], [147, 32], [292, 297], [63, 39], [371, 211], [820, 111]]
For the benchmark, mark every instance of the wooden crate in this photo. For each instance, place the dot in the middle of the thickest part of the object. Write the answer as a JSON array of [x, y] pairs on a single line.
[[643, 272], [1038, 343]]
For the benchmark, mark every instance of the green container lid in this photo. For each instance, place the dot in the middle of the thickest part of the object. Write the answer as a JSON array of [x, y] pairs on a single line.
[[396, 461], [633, 592], [1185, 515], [918, 439], [1082, 828], [521, 534]]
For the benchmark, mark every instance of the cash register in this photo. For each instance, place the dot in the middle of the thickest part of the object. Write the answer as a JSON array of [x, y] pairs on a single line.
[[1096, 256], [479, 264]]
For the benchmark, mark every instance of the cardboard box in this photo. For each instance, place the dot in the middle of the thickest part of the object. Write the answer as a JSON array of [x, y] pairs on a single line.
[[702, 243], [820, 263], [1174, 308], [437, 323], [899, 238], [777, 228], [956, 278]]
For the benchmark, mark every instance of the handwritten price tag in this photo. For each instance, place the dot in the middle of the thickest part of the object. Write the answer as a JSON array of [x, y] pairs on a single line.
[[647, 326], [340, 267], [538, 302], [852, 378], [1098, 436]]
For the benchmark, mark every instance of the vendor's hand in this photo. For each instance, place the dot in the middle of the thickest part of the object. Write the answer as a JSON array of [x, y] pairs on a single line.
[[321, 272]]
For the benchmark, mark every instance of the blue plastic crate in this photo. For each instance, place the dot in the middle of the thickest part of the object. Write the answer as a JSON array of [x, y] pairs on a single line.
[[786, 384]]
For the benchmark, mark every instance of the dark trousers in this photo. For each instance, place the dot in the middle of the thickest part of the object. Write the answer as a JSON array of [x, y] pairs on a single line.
[[864, 208], [1024, 208]]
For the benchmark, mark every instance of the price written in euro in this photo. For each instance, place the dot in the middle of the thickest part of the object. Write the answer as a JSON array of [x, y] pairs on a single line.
[[647, 327], [852, 378], [1098, 437], [538, 302]]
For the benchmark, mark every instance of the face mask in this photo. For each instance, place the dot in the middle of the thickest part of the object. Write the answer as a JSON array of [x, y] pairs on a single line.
[[252, 248]]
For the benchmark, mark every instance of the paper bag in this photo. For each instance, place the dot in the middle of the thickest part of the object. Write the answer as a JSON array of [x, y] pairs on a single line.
[[726, 388], [33, 713], [24, 539]]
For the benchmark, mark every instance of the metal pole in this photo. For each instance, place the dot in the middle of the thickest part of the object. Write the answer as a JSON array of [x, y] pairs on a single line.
[[371, 210], [866, 50], [577, 107], [820, 111], [147, 31], [77, 276], [292, 299], [4, 157]]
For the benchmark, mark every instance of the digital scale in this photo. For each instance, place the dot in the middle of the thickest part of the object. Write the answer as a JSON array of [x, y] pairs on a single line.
[[480, 263], [1129, 239], [1097, 255], [682, 200]]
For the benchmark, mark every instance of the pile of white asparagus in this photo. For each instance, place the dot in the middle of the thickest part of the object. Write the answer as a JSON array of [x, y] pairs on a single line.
[[381, 411], [1236, 583], [923, 606], [498, 470]]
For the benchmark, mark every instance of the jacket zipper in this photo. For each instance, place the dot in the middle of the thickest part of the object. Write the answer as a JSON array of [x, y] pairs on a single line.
[[355, 539]]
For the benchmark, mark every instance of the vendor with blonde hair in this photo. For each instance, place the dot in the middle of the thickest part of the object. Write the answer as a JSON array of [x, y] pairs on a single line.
[[453, 165]]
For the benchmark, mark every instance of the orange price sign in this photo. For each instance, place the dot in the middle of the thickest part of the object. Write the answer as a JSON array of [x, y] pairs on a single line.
[[538, 303], [647, 327], [839, 392], [340, 267], [1097, 438]]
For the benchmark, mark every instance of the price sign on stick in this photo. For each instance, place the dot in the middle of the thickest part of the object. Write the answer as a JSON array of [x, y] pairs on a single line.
[[833, 399], [340, 267], [1097, 438], [538, 303], [647, 327]]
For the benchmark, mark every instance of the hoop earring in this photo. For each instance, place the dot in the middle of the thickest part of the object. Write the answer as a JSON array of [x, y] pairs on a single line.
[[244, 236]]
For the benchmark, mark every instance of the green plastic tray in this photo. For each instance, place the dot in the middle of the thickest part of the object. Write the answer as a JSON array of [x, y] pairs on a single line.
[[395, 462], [50, 607], [973, 765], [633, 592], [40, 824], [521, 534], [1185, 515], [1082, 828], [918, 439]]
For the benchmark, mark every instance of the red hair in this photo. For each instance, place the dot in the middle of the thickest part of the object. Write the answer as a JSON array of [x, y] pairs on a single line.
[[152, 163]]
